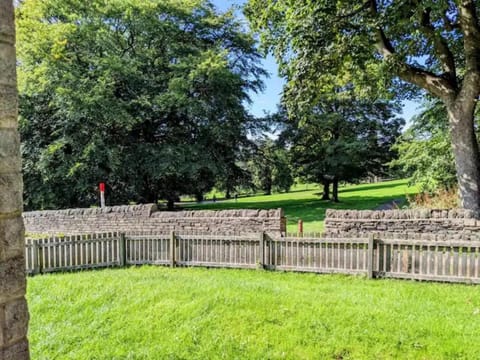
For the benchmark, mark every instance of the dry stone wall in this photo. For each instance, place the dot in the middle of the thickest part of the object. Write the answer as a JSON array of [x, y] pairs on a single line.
[[453, 222], [147, 219]]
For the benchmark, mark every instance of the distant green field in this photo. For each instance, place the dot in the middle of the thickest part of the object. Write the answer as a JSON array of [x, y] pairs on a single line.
[[162, 313], [304, 204]]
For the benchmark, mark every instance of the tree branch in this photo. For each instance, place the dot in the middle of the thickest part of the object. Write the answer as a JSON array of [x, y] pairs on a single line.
[[356, 11], [440, 46], [435, 84], [471, 44]]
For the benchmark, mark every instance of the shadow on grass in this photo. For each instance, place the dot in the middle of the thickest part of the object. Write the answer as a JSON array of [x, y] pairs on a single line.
[[368, 187], [245, 196]]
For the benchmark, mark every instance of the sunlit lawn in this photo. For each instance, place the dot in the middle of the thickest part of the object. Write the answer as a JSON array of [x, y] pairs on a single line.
[[305, 204], [162, 313]]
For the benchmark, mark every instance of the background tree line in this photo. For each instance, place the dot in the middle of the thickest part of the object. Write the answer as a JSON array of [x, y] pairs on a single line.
[[150, 97]]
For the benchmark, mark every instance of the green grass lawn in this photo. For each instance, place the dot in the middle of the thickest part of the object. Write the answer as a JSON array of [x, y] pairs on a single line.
[[306, 204], [185, 313]]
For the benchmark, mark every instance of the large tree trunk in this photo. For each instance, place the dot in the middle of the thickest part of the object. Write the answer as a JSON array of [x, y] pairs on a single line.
[[199, 197], [335, 190], [170, 204], [326, 190], [465, 150], [13, 306], [267, 186]]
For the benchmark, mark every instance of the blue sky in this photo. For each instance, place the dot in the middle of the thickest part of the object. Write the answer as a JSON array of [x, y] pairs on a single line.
[[268, 100]]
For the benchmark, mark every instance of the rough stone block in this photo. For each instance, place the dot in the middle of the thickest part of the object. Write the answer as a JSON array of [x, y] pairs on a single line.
[[469, 222], [330, 214], [366, 214]]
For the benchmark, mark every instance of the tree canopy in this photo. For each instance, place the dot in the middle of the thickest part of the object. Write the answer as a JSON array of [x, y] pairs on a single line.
[[270, 166], [147, 96], [383, 47], [425, 152], [343, 140]]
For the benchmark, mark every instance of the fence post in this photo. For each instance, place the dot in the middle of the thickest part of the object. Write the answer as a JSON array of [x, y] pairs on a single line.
[[172, 248], [261, 253], [35, 254], [122, 252], [371, 244], [40, 255], [300, 228]]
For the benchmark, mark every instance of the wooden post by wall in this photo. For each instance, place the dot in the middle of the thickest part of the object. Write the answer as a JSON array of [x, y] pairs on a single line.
[[261, 253], [300, 228], [40, 249], [122, 252], [172, 248], [371, 244], [36, 257]]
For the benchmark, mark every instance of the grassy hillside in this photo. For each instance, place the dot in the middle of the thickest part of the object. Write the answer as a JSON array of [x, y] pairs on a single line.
[[305, 204], [162, 313]]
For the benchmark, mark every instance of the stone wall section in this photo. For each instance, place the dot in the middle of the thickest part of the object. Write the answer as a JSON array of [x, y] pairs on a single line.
[[453, 222], [148, 219]]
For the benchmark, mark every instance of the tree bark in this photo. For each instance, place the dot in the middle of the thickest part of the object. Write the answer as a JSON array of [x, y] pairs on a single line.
[[335, 190], [326, 190], [466, 152], [13, 306], [267, 185], [150, 196], [199, 197], [170, 204]]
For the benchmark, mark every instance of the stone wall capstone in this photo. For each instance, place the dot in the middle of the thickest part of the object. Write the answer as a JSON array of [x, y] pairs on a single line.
[[437, 221], [148, 219]]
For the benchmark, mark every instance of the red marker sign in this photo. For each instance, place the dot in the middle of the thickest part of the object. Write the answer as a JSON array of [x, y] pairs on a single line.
[[102, 194]]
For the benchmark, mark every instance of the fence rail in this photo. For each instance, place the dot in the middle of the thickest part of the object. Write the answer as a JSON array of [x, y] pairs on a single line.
[[438, 260]]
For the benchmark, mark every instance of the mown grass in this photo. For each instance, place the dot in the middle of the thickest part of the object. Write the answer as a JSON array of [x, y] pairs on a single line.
[[161, 313], [305, 204]]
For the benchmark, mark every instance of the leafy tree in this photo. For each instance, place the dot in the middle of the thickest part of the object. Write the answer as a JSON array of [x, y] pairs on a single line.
[[13, 342], [235, 175], [282, 174], [270, 167], [429, 45], [343, 140], [147, 96], [425, 151]]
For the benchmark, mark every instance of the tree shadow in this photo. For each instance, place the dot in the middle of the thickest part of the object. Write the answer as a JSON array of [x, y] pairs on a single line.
[[367, 187]]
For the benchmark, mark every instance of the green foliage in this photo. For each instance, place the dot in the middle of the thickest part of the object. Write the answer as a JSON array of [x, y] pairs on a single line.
[[339, 127], [322, 45], [144, 95], [384, 49], [343, 140], [425, 151], [187, 313], [270, 167]]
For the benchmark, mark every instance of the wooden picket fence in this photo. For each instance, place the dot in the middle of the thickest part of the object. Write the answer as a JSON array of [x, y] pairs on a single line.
[[436, 260]]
